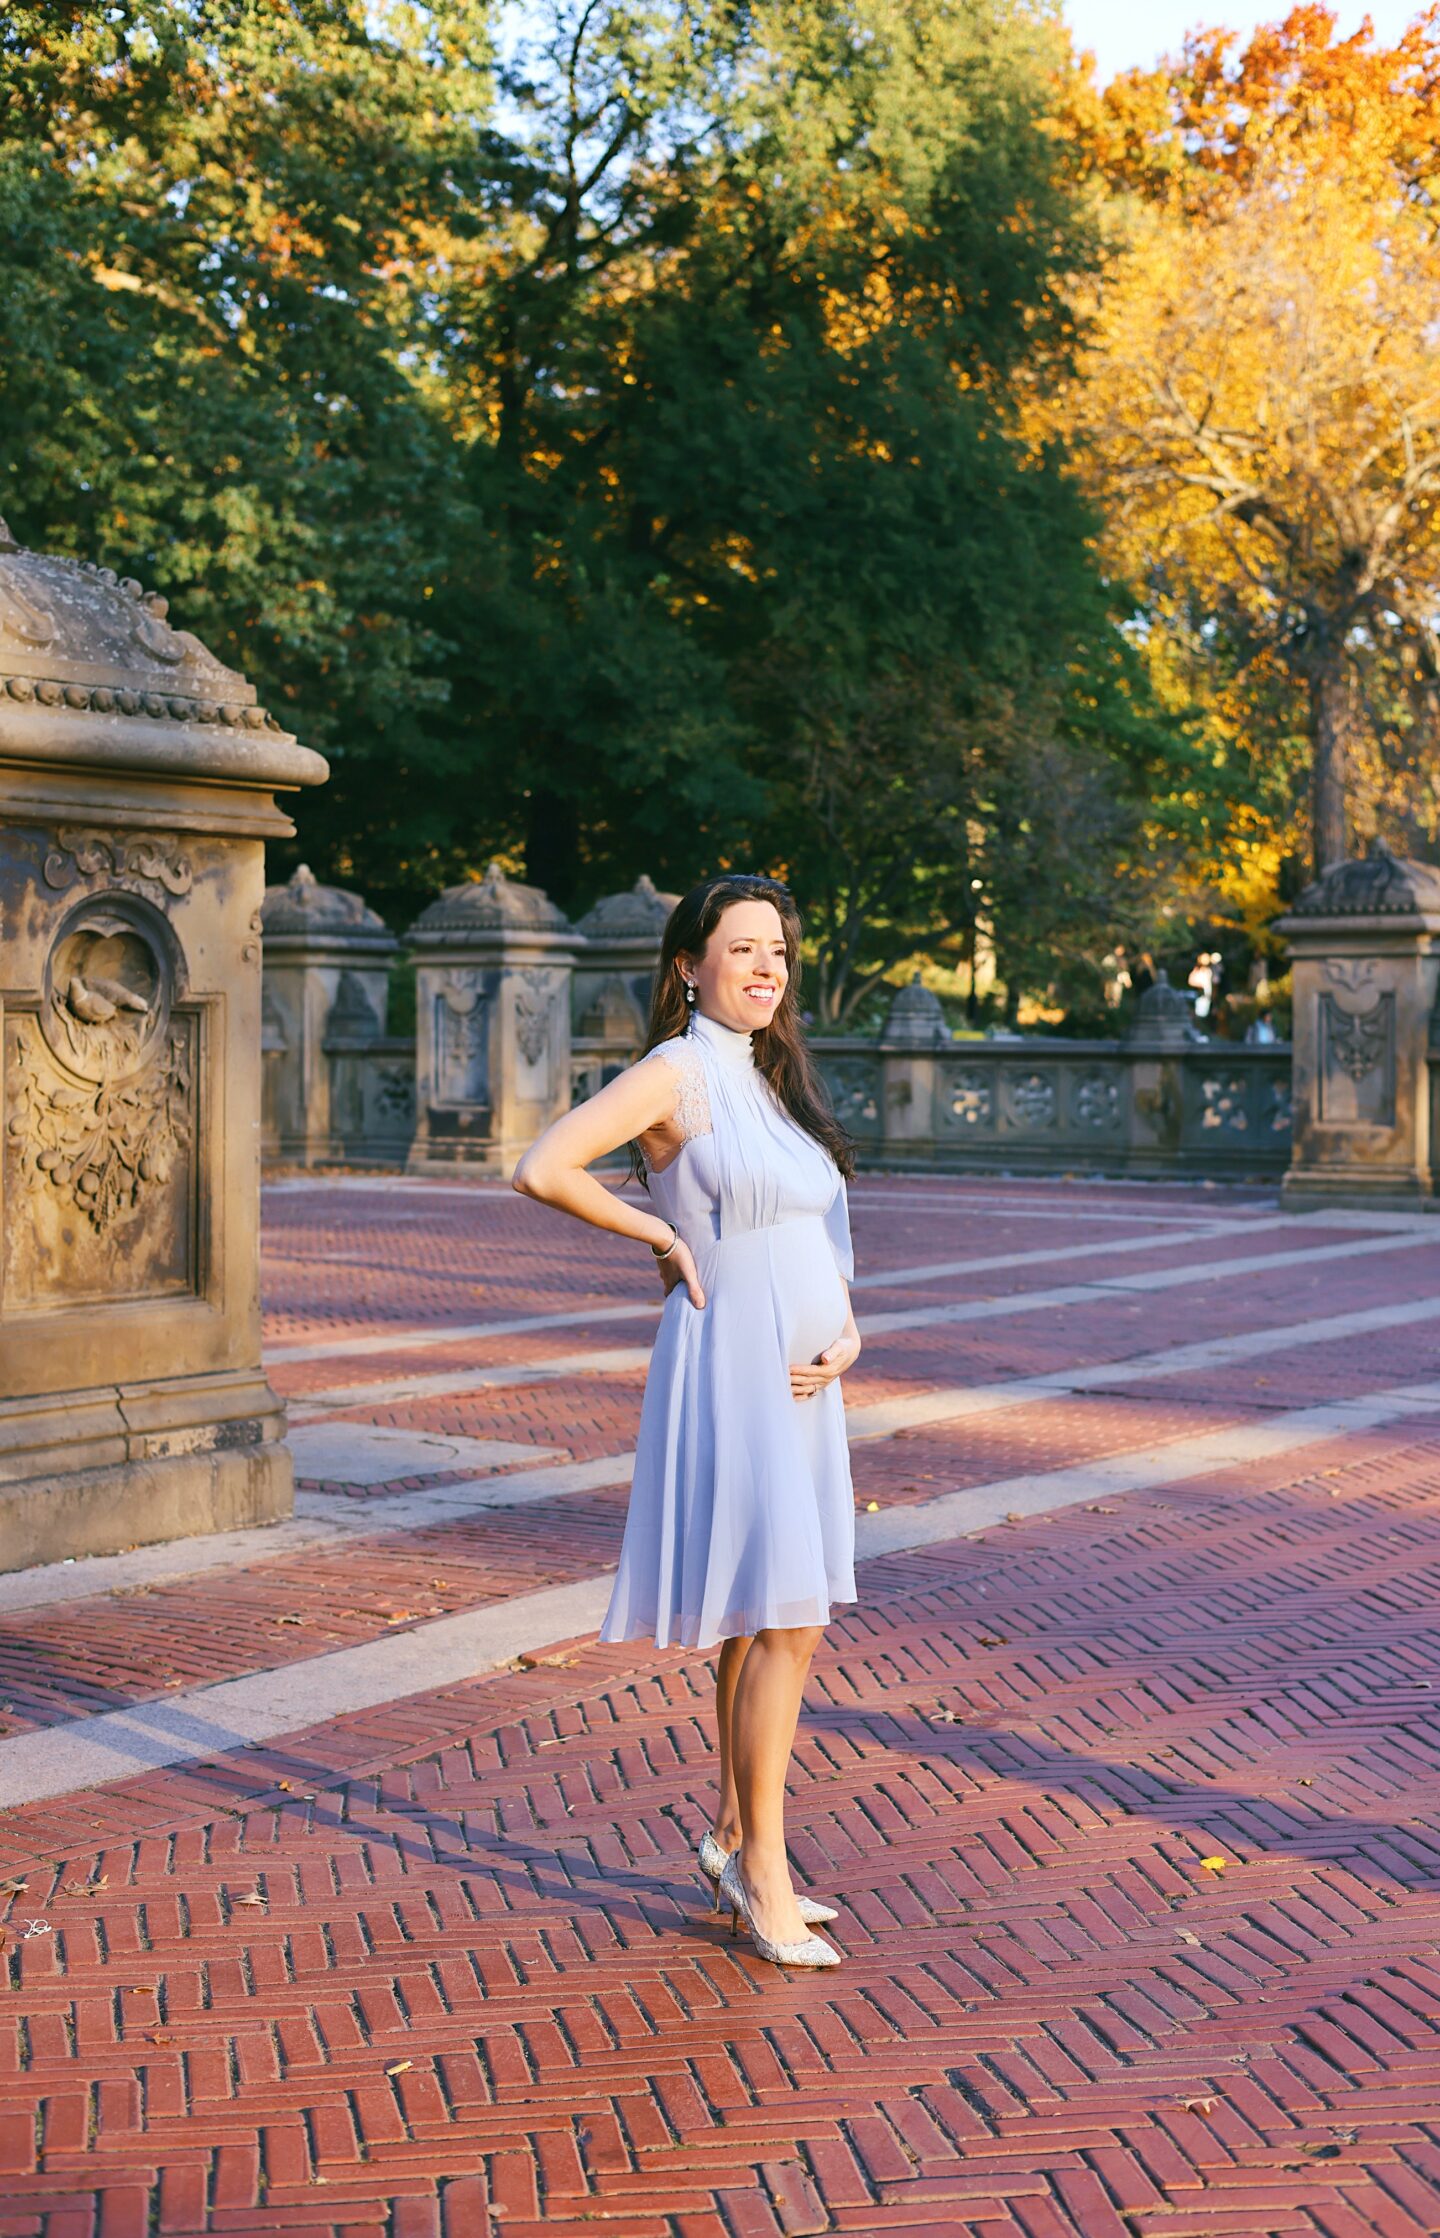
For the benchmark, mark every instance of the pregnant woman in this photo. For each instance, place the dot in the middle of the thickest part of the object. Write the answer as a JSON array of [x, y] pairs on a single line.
[[741, 1527]]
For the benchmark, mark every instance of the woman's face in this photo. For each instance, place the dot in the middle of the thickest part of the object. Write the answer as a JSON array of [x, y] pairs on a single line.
[[741, 976]]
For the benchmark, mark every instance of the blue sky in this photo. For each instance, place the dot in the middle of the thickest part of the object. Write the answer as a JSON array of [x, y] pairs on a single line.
[[1130, 34]]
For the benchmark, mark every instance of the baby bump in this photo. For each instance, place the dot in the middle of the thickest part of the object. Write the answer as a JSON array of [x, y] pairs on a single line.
[[795, 1263]]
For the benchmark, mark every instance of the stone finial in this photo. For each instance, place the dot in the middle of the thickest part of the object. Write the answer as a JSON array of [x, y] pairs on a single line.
[[93, 672], [302, 908], [1379, 884], [494, 903], [1163, 1017], [641, 913], [915, 1016]]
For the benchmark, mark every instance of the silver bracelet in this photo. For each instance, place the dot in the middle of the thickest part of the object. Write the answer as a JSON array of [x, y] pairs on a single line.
[[670, 1246]]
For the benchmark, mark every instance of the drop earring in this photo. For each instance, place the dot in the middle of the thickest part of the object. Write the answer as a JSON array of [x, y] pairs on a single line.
[[690, 992]]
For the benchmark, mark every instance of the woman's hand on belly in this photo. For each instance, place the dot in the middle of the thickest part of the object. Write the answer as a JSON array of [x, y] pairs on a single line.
[[833, 1362]]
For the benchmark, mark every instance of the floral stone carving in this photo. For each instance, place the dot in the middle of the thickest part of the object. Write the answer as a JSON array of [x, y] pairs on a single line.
[[134, 858], [102, 1145], [1357, 1040], [108, 1117], [535, 996]]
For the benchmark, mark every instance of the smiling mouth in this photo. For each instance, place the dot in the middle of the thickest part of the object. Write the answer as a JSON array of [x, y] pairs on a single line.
[[761, 994]]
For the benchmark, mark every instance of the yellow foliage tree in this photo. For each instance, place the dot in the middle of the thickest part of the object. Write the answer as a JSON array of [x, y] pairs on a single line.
[[1258, 403]]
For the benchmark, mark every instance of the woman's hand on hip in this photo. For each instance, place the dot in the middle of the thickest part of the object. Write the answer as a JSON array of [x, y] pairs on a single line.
[[677, 1270], [833, 1362]]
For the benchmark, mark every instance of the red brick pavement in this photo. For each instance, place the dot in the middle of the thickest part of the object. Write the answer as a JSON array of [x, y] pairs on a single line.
[[444, 1967]]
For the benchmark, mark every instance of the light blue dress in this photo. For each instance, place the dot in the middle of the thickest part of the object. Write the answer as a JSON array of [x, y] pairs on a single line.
[[741, 1513]]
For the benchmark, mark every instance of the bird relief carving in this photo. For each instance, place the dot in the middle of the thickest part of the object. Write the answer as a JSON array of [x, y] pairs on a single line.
[[104, 1088]]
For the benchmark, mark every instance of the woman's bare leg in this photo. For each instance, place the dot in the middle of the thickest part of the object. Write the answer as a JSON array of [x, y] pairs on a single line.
[[763, 1717], [727, 1817]]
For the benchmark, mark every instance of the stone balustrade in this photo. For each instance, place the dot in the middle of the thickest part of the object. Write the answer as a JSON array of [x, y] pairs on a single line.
[[521, 1013]]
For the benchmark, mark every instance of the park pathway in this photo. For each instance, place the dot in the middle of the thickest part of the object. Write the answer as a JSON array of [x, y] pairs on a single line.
[[347, 1885]]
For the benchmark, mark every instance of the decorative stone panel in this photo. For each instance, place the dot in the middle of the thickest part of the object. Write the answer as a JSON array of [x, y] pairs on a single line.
[[1365, 951], [136, 793], [493, 962]]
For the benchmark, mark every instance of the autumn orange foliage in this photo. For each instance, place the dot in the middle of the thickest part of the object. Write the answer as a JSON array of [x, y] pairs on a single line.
[[1258, 400]]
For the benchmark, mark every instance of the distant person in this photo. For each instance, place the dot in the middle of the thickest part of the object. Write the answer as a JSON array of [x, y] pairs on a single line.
[[1142, 972], [1205, 980], [741, 1526], [1261, 1028]]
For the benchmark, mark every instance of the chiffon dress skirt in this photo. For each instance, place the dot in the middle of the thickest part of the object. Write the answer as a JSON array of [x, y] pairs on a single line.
[[741, 1513]]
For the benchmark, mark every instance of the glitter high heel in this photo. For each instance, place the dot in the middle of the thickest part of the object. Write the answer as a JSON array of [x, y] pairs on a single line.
[[812, 1951], [712, 1865]]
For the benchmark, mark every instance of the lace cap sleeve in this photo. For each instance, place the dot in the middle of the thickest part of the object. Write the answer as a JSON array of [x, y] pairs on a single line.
[[692, 1101]]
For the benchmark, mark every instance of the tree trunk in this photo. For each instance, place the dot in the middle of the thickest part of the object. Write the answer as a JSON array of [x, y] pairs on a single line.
[[552, 846], [1330, 774]]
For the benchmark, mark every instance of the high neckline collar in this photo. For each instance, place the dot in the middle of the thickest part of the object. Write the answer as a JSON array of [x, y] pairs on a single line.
[[731, 1047]]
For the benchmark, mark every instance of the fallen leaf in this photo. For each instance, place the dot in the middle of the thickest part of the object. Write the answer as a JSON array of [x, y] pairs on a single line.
[[401, 2067], [286, 1787], [1099, 1507], [289, 1620], [1213, 1864], [946, 1717], [1015, 1516], [872, 1507], [1197, 2105], [254, 1897], [1307, 1783], [86, 1888], [1186, 1936], [158, 2036], [13, 1888], [997, 1641], [401, 1616]]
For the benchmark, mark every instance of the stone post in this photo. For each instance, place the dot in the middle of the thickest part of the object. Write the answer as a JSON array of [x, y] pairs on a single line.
[[610, 992], [1162, 1027], [137, 781], [913, 1031], [1366, 965], [328, 960], [492, 1011]]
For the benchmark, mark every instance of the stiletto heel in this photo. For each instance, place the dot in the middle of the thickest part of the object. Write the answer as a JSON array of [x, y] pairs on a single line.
[[813, 1951], [712, 1864]]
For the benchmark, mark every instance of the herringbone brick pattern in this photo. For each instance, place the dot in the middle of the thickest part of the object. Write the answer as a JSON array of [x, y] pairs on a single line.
[[1133, 1810], [480, 1981]]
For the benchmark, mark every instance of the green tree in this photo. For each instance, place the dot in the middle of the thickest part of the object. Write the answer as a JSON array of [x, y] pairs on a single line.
[[219, 222], [765, 549]]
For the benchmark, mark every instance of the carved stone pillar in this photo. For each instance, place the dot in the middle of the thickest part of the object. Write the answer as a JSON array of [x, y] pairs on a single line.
[[328, 960], [137, 778], [610, 991], [1161, 1029], [1363, 947], [492, 1010]]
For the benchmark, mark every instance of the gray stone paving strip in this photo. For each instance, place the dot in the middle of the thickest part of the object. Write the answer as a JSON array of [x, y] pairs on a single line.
[[210, 1721], [214, 1720], [308, 1405], [430, 1336], [1151, 1279], [363, 1345], [324, 1519], [1044, 1491], [311, 1406]]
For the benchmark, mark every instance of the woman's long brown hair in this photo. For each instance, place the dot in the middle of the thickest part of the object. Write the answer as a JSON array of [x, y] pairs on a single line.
[[780, 1049]]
